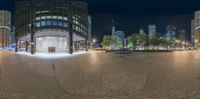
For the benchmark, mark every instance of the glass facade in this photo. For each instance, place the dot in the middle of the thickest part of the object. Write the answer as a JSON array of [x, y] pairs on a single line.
[[51, 14]]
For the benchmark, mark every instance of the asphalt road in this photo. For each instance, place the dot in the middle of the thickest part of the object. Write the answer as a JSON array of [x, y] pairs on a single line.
[[97, 75]]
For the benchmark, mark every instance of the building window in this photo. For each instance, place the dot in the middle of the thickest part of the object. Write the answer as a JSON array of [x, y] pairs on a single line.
[[60, 23], [55, 17], [65, 24], [48, 23], [54, 23], [43, 17], [77, 28], [65, 18], [48, 17], [37, 18], [60, 17], [43, 23], [37, 24]]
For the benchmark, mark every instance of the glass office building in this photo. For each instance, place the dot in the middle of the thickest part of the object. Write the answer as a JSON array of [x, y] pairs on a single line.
[[52, 25]]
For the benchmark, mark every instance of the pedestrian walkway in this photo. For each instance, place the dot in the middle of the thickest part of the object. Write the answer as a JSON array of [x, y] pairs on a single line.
[[6, 53]]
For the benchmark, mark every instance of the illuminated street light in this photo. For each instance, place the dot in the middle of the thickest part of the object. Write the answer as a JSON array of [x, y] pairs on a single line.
[[94, 41], [196, 43]]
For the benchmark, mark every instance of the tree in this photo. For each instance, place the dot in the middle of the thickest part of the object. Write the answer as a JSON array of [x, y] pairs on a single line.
[[155, 42], [116, 41], [107, 41], [143, 39], [132, 40], [165, 43]]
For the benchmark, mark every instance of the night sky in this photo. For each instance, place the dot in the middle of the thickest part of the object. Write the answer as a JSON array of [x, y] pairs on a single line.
[[130, 15]]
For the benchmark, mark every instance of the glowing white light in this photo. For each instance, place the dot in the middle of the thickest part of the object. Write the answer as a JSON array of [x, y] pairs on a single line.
[[52, 55]]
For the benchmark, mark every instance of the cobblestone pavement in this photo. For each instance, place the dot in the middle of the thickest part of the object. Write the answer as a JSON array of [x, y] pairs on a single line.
[[97, 75]]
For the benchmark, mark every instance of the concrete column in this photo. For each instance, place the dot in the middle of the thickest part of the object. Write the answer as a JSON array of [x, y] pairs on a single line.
[[70, 39]]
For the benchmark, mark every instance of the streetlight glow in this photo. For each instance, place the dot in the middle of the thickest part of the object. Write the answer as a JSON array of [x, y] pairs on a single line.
[[196, 41], [94, 41]]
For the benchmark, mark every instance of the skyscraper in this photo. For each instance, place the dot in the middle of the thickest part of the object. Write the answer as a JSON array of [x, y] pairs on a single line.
[[195, 30], [152, 31], [5, 28], [182, 35], [89, 29], [141, 30], [171, 32], [121, 35]]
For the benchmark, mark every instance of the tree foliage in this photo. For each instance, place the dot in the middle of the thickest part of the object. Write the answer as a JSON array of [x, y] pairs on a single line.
[[132, 40], [106, 41], [111, 42]]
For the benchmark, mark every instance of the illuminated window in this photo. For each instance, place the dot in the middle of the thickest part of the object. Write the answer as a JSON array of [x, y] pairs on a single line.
[[54, 23], [48, 23], [65, 18], [65, 24], [48, 17], [43, 23], [37, 18], [43, 17], [37, 24], [60, 23], [60, 17], [77, 28], [55, 17]]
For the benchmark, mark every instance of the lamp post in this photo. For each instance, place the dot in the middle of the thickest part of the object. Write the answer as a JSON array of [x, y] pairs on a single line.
[[196, 43], [177, 43], [94, 42], [32, 29], [183, 44]]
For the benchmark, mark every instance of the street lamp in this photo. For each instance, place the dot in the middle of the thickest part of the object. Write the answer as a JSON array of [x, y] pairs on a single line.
[[183, 44], [177, 43], [196, 43], [94, 41]]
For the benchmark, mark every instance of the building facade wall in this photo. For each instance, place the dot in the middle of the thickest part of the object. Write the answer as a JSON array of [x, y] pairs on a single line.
[[52, 18], [193, 32], [196, 29], [89, 29], [152, 31], [5, 27]]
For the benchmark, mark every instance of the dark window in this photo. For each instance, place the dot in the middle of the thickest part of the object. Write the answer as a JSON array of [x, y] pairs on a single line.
[[55, 23], [60, 23], [48, 23]]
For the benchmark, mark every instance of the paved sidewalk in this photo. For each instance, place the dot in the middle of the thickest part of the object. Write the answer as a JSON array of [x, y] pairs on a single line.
[[97, 75]]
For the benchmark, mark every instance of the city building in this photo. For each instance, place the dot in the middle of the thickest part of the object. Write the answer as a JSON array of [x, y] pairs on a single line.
[[89, 29], [141, 30], [121, 35], [12, 36], [182, 35], [5, 28], [195, 30], [51, 25], [152, 31], [171, 32]]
